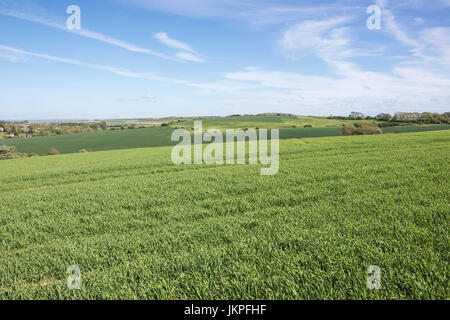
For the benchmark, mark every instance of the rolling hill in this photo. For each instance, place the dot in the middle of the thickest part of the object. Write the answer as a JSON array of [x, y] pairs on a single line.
[[140, 227]]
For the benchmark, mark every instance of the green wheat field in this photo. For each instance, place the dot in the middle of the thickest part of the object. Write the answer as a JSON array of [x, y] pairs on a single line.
[[140, 227]]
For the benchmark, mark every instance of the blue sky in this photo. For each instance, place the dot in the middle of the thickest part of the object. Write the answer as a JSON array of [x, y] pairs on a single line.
[[155, 58]]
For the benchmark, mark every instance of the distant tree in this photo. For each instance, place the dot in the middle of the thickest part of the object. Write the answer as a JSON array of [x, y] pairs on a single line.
[[11, 128], [4, 149], [356, 115], [369, 128], [349, 130], [10, 152], [361, 129], [383, 117]]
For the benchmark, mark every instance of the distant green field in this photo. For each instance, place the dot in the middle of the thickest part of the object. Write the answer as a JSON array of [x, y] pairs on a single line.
[[157, 137], [140, 227], [276, 119], [268, 122], [407, 129], [95, 141], [333, 132]]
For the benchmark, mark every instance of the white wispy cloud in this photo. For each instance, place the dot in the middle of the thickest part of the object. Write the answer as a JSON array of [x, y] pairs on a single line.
[[417, 79], [15, 10], [188, 57], [393, 27], [404, 87], [225, 86], [188, 54], [111, 69], [414, 4], [329, 39], [316, 35], [429, 47], [164, 38], [419, 20], [13, 57]]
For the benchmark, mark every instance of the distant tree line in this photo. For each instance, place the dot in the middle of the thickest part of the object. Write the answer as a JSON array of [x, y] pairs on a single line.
[[26, 129], [400, 118]]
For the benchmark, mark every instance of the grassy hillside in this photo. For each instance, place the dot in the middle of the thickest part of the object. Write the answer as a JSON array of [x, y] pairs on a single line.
[[140, 227], [160, 136]]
